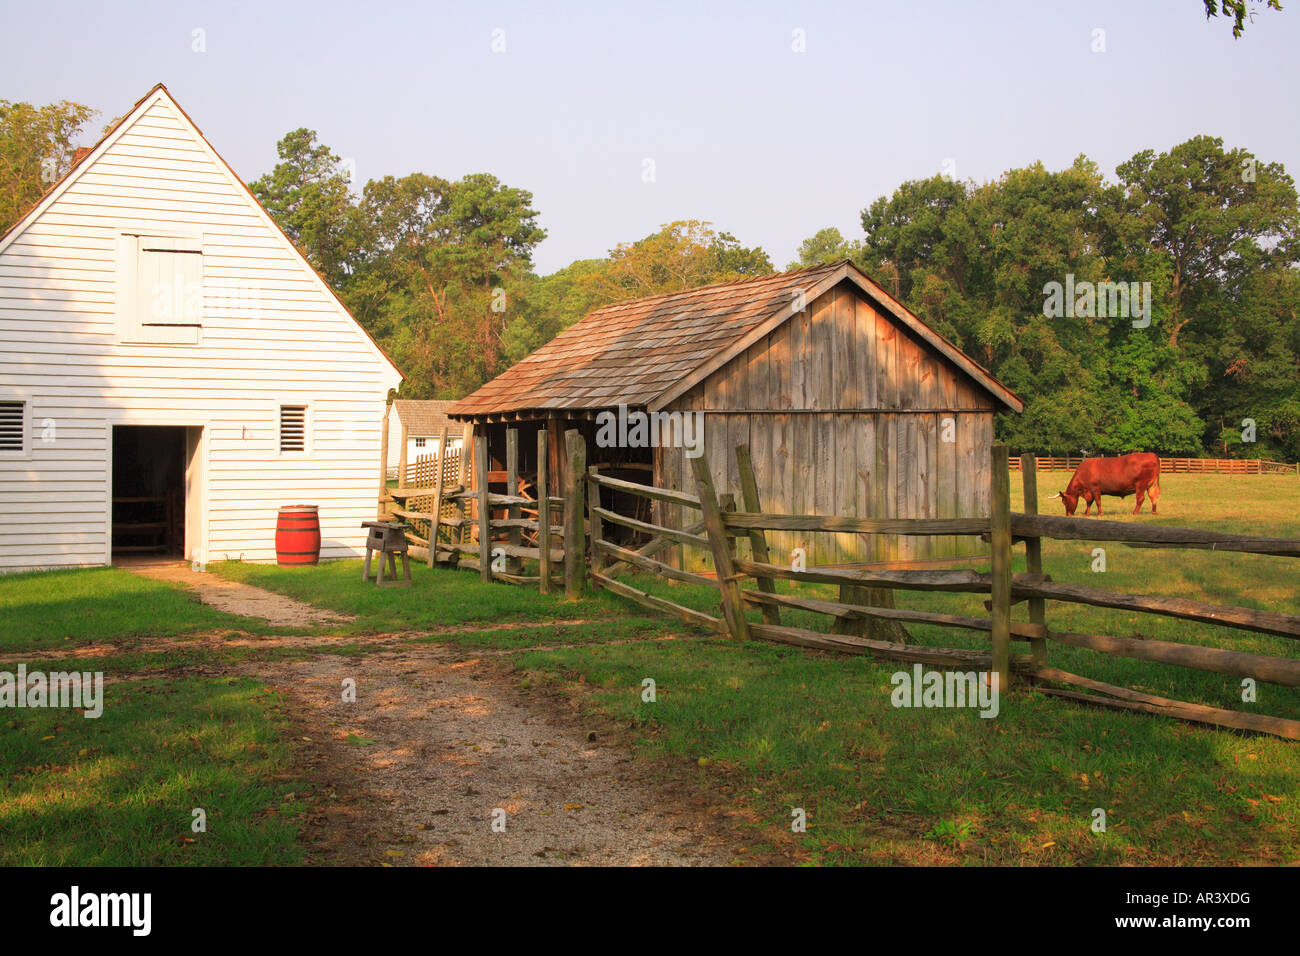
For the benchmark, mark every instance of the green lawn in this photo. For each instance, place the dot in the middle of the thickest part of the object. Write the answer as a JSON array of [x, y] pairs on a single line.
[[768, 728], [52, 609], [121, 789], [438, 598]]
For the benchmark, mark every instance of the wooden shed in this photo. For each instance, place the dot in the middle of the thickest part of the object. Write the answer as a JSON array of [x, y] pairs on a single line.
[[851, 405]]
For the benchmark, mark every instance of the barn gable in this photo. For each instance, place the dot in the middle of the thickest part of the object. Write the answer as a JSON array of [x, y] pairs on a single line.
[[149, 303], [649, 352]]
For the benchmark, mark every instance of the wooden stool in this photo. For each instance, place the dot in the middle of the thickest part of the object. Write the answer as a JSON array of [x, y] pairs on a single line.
[[389, 539]]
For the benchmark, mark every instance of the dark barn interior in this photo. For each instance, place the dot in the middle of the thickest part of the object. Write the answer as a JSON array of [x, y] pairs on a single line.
[[149, 490]]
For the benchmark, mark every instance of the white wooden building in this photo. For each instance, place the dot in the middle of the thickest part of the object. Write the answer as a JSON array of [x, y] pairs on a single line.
[[172, 370], [421, 424]]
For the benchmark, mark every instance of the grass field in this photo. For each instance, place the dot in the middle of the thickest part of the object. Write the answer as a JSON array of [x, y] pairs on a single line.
[[121, 789], [782, 728], [768, 728], [47, 610]]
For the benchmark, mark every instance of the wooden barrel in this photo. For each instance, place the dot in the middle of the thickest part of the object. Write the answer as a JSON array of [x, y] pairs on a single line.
[[297, 535]]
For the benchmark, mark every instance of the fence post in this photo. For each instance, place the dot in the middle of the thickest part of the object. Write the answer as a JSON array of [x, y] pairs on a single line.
[[757, 539], [383, 465], [440, 463], [1000, 500], [512, 489], [733, 609], [484, 514], [575, 544], [594, 529], [1034, 556], [543, 514], [401, 461], [462, 478]]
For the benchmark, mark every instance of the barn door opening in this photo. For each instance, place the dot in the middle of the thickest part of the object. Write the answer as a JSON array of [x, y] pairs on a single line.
[[150, 467]]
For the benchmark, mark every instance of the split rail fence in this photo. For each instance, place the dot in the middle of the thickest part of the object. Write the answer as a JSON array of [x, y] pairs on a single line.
[[458, 513]]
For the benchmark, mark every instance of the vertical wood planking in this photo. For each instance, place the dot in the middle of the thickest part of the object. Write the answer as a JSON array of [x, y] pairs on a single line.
[[383, 461], [728, 587], [864, 436], [1000, 495], [926, 492], [594, 526], [438, 473], [512, 489], [402, 477], [484, 513], [1034, 556], [543, 512], [575, 545], [757, 540], [882, 498]]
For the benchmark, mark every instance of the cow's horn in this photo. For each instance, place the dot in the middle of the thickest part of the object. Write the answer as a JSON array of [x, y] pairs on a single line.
[[1057, 495]]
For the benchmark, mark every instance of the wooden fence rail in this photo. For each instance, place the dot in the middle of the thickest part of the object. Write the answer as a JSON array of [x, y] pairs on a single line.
[[1002, 530], [459, 521]]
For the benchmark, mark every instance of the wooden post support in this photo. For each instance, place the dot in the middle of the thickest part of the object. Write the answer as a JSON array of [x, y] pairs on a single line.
[[575, 544], [439, 465], [757, 539], [383, 464], [733, 609], [484, 513], [1000, 499], [1034, 556], [543, 514], [515, 565], [461, 535], [401, 461], [593, 526]]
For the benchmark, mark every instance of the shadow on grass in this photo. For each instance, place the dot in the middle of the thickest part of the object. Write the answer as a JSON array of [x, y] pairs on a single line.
[[119, 790], [45, 609]]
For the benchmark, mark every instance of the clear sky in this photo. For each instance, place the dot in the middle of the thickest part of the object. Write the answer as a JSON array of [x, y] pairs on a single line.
[[768, 143]]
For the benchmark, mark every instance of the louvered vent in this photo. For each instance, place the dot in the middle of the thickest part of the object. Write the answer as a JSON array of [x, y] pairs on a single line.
[[293, 428], [11, 426]]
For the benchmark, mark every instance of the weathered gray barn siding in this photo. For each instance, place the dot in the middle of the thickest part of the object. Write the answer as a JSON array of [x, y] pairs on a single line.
[[843, 410]]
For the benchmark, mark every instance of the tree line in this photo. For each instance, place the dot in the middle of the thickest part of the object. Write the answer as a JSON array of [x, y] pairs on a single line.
[[1153, 311]]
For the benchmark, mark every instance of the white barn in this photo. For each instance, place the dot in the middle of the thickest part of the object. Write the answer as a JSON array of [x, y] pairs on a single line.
[[419, 431], [172, 370]]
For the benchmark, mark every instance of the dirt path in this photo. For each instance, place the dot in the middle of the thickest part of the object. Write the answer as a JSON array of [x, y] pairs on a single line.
[[445, 759], [436, 742], [243, 599]]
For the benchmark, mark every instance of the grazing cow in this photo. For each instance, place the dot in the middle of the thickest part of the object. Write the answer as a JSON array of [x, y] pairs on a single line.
[[1120, 477]]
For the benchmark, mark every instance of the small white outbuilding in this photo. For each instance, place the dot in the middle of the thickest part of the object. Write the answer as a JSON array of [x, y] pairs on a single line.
[[421, 424], [172, 370]]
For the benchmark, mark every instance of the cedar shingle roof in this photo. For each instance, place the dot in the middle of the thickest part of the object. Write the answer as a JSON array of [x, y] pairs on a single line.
[[645, 352], [424, 419]]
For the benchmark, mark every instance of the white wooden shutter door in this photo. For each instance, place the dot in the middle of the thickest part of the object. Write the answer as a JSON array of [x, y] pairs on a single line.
[[169, 289]]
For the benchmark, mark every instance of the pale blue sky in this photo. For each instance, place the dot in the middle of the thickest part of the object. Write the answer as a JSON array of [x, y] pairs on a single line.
[[767, 143]]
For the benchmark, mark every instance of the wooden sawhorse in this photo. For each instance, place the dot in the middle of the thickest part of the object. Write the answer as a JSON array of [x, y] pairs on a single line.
[[389, 539]]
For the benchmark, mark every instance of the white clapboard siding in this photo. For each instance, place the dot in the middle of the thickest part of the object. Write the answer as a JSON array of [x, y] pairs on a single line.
[[271, 334]]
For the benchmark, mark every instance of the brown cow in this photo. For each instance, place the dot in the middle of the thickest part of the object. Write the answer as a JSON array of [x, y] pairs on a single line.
[[1119, 477]]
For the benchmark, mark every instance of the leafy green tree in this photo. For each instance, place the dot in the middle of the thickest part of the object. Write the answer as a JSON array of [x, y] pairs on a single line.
[[309, 194], [825, 246], [1214, 217], [444, 276], [1238, 11], [37, 146], [682, 255]]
